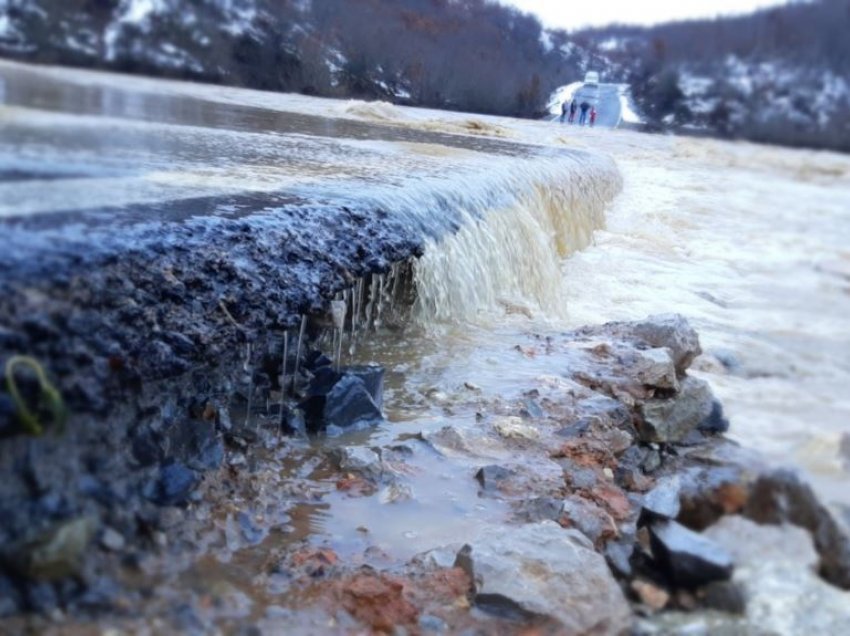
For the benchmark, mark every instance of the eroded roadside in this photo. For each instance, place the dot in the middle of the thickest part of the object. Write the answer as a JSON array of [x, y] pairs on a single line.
[[602, 498]]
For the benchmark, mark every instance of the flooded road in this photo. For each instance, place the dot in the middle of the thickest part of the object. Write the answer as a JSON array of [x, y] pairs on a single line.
[[519, 243]]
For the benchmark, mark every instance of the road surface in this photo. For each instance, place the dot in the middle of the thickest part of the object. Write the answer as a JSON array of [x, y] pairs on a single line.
[[606, 97]]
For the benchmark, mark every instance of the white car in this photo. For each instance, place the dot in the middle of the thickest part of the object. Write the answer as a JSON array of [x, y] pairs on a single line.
[[591, 78]]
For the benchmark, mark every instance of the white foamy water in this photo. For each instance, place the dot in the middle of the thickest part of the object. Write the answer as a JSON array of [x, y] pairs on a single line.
[[751, 244]]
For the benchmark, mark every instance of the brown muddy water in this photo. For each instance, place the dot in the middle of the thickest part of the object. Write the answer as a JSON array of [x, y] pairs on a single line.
[[748, 242]]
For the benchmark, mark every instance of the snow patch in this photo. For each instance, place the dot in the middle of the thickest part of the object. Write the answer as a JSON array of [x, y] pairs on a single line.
[[628, 113]]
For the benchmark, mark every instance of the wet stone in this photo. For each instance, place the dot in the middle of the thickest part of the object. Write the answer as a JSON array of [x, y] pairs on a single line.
[[673, 332], [541, 570], [349, 402], [358, 459], [373, 379], [588, 518], [492, 477], [716, 422], [172, 485], [662, 502], [672, 419], [690, 559], [655, 369], [539, 509]]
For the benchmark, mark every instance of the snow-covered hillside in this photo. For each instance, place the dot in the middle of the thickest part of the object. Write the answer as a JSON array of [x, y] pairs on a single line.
[[328, 47]]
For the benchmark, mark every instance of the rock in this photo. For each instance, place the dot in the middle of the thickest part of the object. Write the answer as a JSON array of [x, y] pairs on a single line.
[[651, 461], [57, 552], [618, 555], [515, 428], [780, 496], [715, 423], [248, 528], [776, 571], [673, 332], [378, 601], [195, 443], [593, 522], [349, 402], [531, 410], [432, 624], [539, 509], [358, 459], [689, 559], [10, 600], [724, 596], [172, 485], [542, 570], [373, 379], [112, 540], [651, 595], [491, 477], [396, 492], [662, 502], [452, 441], [655, 368], [673, 419]]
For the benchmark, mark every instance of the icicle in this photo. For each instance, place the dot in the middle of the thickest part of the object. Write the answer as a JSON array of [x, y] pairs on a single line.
[[338, 308], [378, 321], [246, 367], [298, 351], [282, 414]]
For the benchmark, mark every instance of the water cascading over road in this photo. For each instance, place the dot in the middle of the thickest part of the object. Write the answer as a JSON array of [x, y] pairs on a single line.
[[164, 236]]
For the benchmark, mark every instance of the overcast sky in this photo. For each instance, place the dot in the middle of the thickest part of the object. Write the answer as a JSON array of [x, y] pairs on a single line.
[[572, 14]]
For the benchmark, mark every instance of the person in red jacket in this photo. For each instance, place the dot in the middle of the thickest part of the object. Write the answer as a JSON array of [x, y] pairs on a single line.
[[593, 115]]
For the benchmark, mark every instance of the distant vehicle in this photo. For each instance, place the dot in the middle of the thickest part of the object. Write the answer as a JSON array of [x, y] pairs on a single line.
[[591, 78]]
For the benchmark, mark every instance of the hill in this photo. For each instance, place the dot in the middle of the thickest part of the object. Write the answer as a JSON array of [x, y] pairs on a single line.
[[780, 75], [471, 55]]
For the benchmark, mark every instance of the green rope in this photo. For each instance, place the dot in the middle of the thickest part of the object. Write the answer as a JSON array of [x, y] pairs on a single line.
[[50, 396]]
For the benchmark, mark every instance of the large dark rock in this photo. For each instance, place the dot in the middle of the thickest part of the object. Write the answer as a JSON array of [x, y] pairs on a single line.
[[344, 399], [349, 402], [373, 379], [195, 443], [781, 497], [172, 485], [689, 559]]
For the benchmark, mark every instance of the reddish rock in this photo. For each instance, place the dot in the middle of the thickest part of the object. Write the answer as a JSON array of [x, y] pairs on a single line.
[[378, 601], [589, 453], [612, 499]]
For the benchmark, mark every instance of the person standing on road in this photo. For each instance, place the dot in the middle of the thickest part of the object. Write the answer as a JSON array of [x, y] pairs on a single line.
[[592, 116], [563, 112], [573, 108], [582, 120]]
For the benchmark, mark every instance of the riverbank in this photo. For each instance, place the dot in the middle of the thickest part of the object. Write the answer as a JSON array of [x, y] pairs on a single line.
[[601, 498]]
